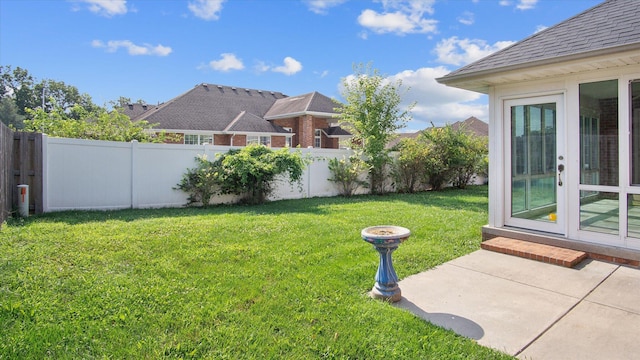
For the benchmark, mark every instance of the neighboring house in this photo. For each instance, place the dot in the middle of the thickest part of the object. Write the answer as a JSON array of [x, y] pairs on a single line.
[[471, 125], [230, 116], [564, 130]]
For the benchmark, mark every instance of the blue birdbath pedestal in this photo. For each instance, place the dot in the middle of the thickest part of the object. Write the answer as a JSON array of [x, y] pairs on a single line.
[[386, 239]]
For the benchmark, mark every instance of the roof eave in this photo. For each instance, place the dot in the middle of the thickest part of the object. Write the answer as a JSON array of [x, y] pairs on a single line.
[[301, 113], [472, 80]]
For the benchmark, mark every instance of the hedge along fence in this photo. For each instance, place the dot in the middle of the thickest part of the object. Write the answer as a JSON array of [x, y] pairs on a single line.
[[104, 175]]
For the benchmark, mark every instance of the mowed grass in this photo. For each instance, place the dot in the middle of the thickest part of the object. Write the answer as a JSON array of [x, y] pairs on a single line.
[[284, 280]]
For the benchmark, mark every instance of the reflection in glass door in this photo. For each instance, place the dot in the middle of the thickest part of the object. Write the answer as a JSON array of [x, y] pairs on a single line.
[[536, 174]]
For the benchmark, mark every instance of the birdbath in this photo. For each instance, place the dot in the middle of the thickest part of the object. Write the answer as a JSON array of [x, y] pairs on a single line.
[[386, 239]]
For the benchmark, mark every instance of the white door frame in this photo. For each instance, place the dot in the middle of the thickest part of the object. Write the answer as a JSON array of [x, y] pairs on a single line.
[[558, 226]]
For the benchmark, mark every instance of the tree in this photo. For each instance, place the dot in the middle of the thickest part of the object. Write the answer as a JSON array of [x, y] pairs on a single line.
[[17, 84], [98, 124], [9, 114], [372, 113]]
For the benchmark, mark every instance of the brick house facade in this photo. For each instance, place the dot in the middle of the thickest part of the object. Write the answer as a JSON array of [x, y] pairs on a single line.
[[230, 116]]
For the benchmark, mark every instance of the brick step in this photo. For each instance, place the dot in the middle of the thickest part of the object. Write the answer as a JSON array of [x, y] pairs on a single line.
[[540, 252]]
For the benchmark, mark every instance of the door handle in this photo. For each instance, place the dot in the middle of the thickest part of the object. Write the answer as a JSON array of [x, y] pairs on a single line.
[[560, 170]]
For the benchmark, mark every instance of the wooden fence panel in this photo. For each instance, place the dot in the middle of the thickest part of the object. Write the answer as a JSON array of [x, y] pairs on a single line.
[[27, 168], [6, 172]]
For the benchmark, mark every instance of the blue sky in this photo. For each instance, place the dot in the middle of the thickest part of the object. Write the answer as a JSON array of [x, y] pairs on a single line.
[[155, 50]]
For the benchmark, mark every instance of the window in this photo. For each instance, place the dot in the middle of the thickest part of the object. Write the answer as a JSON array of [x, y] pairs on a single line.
[[262, 140], [252, 139], [194, 139], [634, 89], [599, 133], [288, 139], [206, 139], [190, 139], [317, 141]]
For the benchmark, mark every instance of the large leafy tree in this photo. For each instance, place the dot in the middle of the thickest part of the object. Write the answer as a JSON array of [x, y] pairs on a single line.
[[27, 94], [99, 124], [373, 114], [9, 113]]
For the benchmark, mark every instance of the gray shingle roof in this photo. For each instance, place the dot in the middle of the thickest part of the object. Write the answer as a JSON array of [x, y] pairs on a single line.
[[246, 122], [210, 108], [336, 131], [296, 105], [610, 25], [473, 126]]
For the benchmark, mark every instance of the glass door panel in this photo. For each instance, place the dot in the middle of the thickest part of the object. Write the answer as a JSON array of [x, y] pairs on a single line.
[[599, 158], [535, 174]]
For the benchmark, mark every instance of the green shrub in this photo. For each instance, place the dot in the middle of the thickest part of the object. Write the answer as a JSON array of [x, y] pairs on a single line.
[[455, 156], [201, 182], [347, 172], [250, 172], [409, 167]]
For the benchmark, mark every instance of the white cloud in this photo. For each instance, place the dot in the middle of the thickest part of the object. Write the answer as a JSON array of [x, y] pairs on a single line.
[[400, 17], [456, 51], [435, 102], [322, 74], [467, 18], [132, 49], [206, 9], [526, 4], [322, 6], [290, 66], [227, 62], [540, 28], [107, 7], [520, 4]]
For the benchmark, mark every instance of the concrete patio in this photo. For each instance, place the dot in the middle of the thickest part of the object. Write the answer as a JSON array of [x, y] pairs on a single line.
[[531, 309]]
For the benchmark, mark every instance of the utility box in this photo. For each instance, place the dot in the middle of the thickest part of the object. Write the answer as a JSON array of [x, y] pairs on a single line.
[[23, 200]]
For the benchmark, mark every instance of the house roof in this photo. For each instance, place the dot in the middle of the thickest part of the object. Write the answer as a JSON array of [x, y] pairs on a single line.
[[336, 131], [220, 108], [246, 122], [312, 103], [612, 27], [473, 126], [213, 108]]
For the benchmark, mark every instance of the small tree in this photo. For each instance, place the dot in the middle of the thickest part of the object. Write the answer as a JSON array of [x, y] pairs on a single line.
[[372, 113], [346, 173]]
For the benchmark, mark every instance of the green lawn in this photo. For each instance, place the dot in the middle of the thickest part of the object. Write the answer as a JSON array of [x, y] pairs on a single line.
[[284, 280]]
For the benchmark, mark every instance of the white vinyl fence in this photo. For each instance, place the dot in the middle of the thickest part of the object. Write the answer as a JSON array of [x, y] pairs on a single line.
[[88, 174]]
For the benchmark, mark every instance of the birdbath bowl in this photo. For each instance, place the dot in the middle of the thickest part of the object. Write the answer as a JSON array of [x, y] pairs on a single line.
[[386, 239]]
